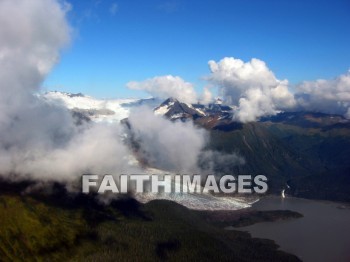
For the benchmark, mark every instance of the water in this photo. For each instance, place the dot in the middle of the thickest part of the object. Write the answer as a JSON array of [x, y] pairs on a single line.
[[323, 234]]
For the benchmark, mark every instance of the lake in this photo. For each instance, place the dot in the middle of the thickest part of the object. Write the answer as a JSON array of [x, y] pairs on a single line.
[[323, 234]]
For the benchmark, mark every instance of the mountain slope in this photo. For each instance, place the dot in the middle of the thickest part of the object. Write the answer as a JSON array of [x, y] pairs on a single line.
[[306, 151]]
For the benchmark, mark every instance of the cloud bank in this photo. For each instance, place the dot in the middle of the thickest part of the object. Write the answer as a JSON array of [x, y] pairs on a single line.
[[326, 96], [251, 87], [253, 90], [167, 86]]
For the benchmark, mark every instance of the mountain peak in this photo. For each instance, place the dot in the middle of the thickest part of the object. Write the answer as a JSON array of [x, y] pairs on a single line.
[[170, 100], [174, 109]]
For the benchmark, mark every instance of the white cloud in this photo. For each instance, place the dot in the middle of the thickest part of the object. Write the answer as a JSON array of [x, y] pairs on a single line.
[[327, 96], [169, 145], [167, 86], [31, 35], [97, 149], [251, 86], [38, 139]]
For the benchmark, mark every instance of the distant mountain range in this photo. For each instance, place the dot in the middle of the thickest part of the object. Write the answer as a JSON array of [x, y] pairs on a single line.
[[174, 109]]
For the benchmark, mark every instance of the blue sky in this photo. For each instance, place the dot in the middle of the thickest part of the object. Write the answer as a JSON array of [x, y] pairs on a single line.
[[115, 42]]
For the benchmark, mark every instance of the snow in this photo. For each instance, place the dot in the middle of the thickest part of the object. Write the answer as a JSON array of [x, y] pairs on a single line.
[[162, 110], [175, 116], [90, 103], [200, 112]]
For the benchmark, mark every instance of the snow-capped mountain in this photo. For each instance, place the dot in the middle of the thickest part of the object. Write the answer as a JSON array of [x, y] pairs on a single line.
[[110, 110], [211, 115], [175, 109]]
